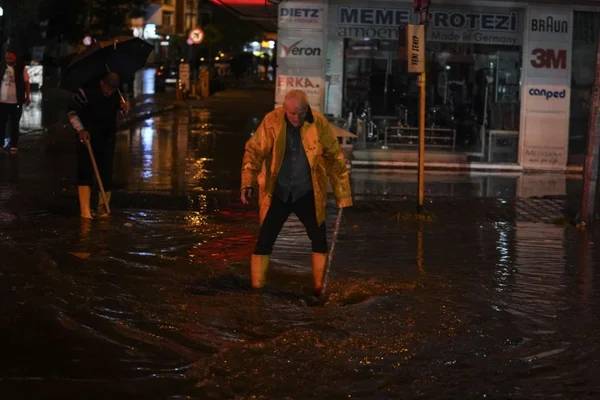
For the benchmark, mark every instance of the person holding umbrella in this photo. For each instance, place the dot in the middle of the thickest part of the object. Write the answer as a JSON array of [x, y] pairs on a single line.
[[93, 113], [292, 156], [94, 77]]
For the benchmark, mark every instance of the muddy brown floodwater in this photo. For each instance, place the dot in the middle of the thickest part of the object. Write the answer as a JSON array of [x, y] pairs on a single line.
[[484, 299]]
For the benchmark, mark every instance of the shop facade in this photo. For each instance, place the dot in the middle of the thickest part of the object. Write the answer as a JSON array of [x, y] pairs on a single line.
[[507, 82]]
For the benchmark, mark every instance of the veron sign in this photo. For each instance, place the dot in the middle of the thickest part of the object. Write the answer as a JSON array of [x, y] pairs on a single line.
[[299, 48]]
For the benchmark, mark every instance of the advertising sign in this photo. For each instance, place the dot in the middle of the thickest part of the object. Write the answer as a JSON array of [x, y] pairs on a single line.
[[311, 85], [302, 15], [474, 25], [546, 94], [300, 47], [415, 39]]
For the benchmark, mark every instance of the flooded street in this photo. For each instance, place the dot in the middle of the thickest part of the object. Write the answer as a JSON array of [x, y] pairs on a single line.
[[491, 296]]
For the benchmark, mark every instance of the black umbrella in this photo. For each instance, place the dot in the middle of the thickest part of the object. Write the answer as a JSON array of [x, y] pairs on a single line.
[[122, 56]]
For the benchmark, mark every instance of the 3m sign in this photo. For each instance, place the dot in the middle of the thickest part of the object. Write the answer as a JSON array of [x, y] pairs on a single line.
[[549, 58]]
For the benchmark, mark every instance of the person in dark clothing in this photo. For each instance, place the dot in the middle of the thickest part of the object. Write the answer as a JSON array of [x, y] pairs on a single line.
[[14, 93], [93, 114]]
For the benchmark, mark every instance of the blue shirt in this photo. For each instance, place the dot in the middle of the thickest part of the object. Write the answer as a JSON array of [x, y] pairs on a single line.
[[294, 179]]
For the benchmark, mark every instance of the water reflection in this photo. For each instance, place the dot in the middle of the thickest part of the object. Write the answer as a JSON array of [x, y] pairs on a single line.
[[31, 118], [483, 301], [180, 153]]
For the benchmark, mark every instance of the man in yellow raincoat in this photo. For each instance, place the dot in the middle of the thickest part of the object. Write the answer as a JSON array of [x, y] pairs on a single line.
[[291, 157]]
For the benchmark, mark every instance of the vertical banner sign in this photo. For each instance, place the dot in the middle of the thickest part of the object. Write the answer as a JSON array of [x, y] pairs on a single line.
[[415, 45], [301, 50], [546, 93]]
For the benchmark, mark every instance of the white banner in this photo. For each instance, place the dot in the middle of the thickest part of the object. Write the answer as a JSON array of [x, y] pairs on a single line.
[[311, 85], [301, 15], [546, 93], [296, 49], [470, 25]]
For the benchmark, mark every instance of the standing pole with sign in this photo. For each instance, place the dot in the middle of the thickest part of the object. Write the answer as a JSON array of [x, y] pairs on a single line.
[[421, 173], [416, 64]]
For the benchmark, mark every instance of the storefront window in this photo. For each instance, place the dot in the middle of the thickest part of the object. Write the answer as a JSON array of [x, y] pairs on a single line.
[[474, 90], [585, 34], [473, 86]]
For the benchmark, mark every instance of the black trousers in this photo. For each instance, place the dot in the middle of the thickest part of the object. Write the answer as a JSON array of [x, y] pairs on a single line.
[[103, 150], [10, 116], [278, 213]]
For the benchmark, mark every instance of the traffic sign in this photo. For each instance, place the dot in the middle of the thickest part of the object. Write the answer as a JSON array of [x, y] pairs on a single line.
[[196, 36]]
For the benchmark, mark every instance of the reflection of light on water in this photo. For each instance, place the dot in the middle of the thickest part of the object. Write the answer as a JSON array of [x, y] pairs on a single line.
[[32, 114], [196, 219], [147, 139], [144, 81], [147, 133], [198, 169], [503, 249], [148, 80]]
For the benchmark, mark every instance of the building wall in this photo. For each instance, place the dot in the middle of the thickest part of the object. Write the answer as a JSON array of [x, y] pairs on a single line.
[[531, 64], [184, 15]]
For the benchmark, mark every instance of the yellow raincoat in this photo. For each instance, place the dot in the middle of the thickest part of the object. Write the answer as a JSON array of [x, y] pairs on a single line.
[[266, 149]]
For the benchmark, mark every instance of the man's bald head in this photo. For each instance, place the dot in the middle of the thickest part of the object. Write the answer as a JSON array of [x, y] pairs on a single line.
[[296, 106]]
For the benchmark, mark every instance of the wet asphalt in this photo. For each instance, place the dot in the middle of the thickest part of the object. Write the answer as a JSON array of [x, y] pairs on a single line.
[[490, 295]]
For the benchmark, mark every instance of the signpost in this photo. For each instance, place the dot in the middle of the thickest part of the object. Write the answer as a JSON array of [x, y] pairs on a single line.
[[415, 43], [196, 36]]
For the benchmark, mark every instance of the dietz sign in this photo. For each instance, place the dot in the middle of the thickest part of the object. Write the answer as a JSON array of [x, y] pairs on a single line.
[[300, 15]]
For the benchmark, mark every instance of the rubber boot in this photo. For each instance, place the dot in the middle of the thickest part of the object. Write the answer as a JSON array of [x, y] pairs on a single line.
[[259, 264], [319, 264], [84, 192], [101, 209]]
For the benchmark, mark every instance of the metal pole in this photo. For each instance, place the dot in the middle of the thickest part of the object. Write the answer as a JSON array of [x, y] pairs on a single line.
[[336, 231], [422, 104], [421, 173], [590, 169]]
